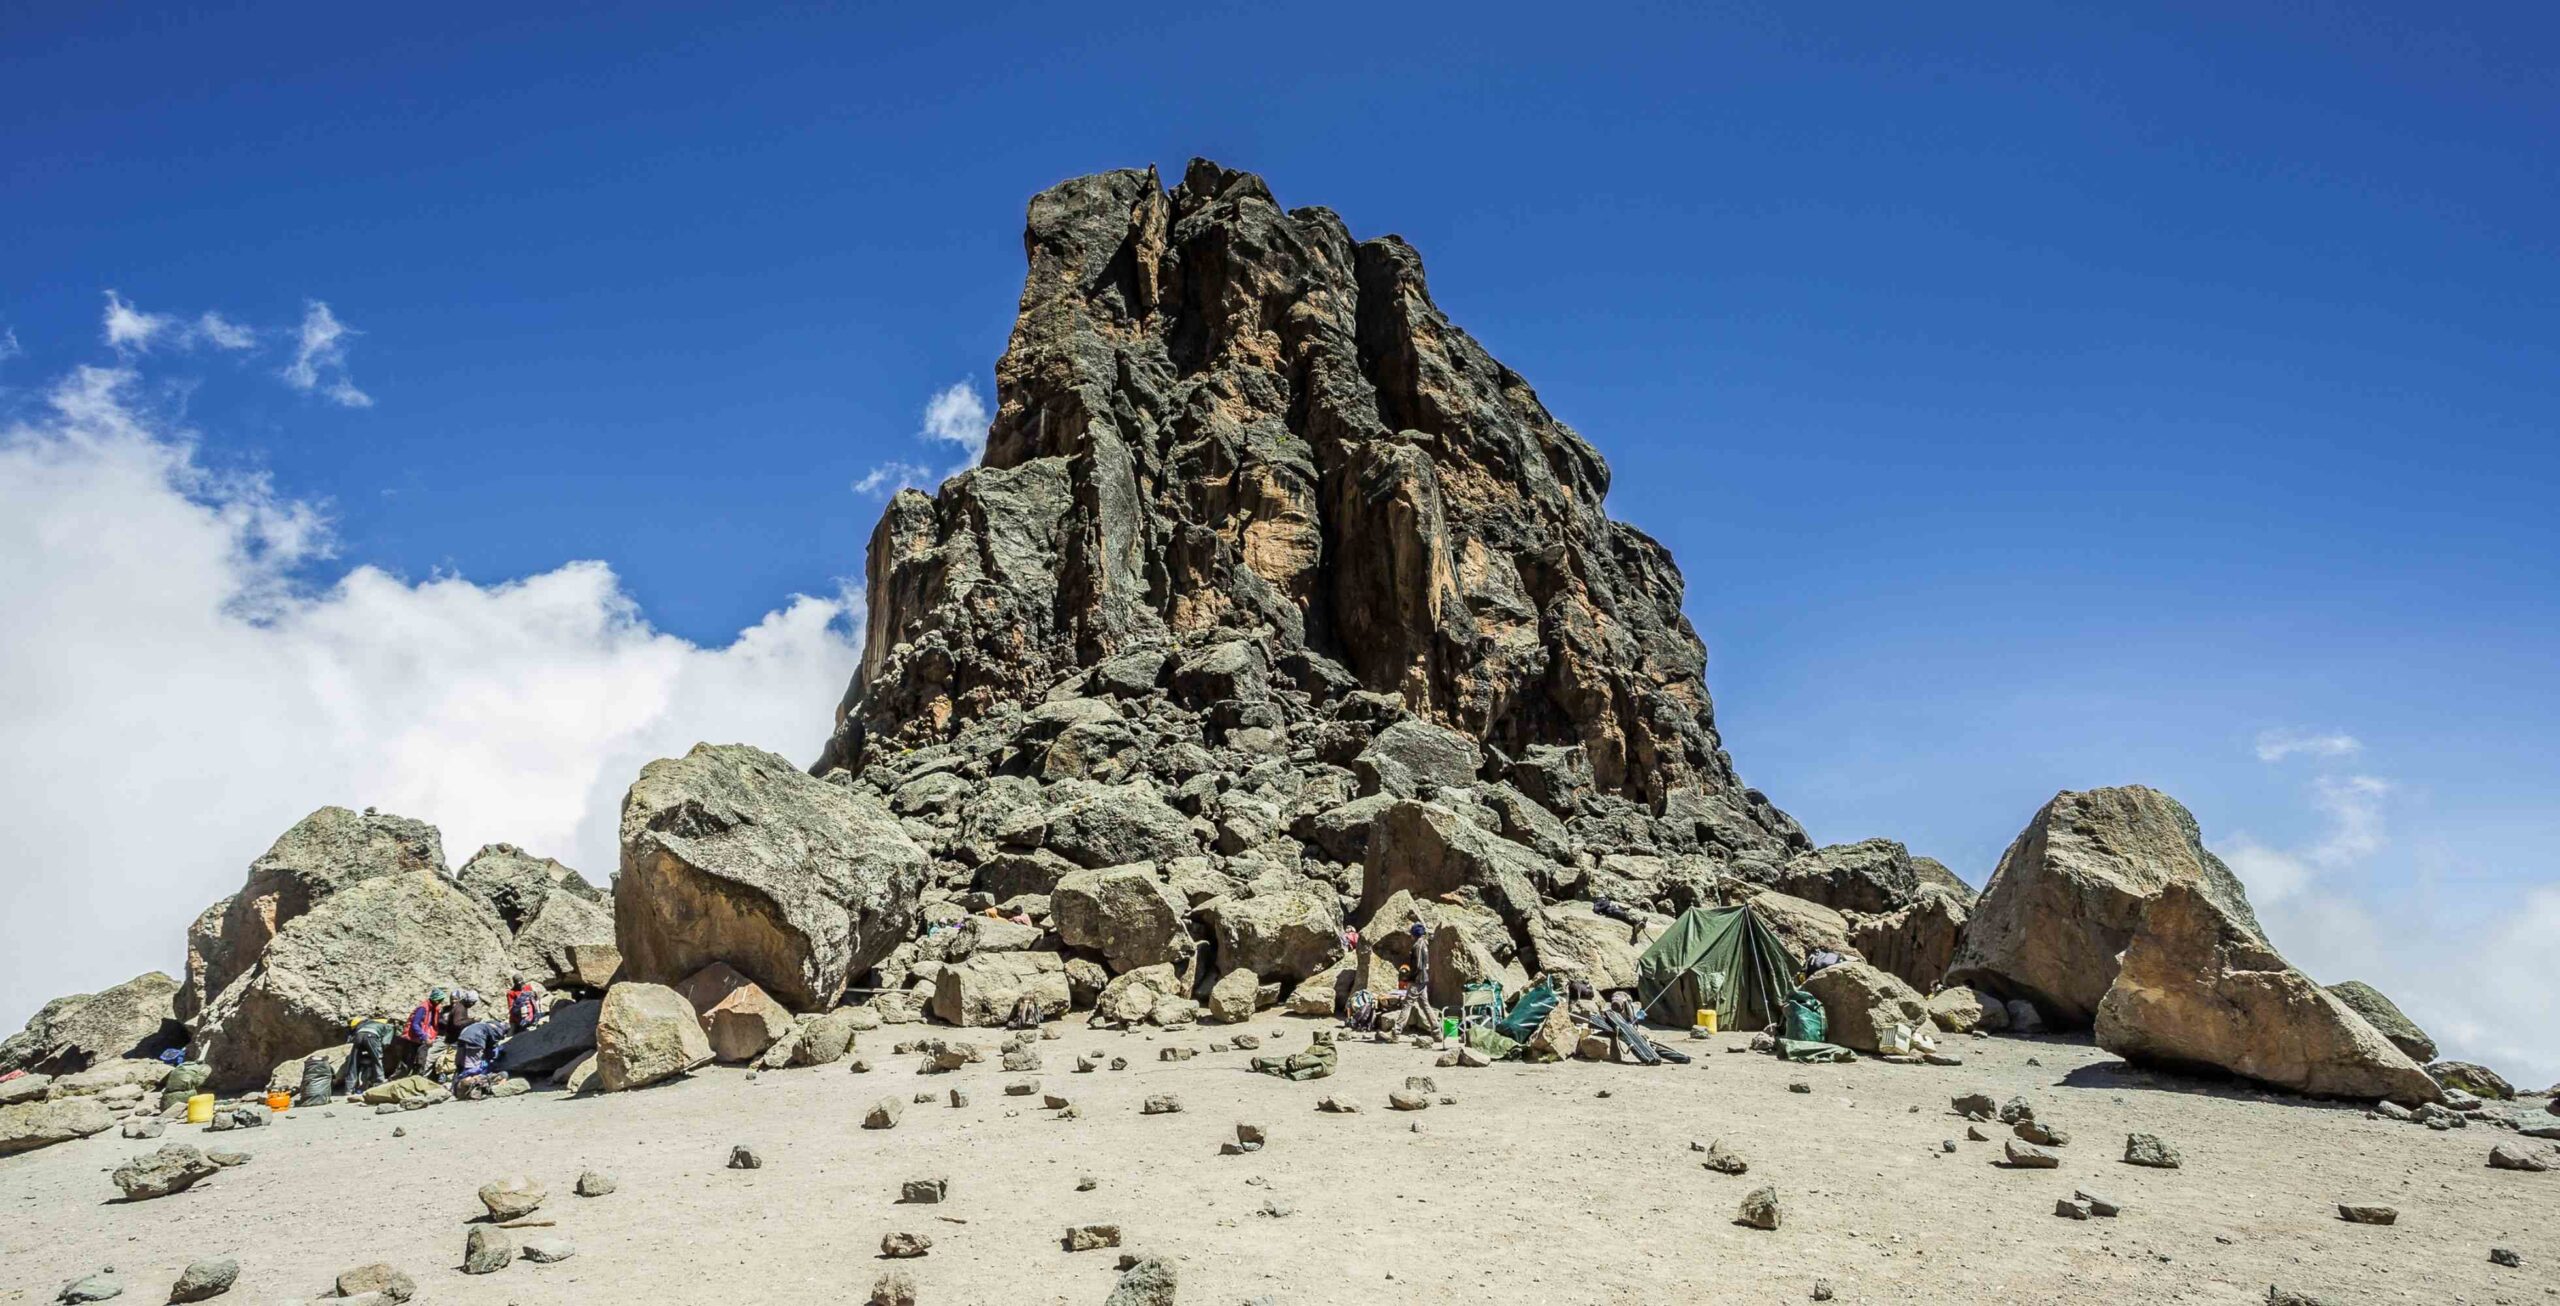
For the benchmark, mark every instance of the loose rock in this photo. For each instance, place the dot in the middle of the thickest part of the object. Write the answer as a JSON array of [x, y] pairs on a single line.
[[486, 1251], [205, 1280], [2151, 1150], [904, 1246], [1759, 1208], [513, 1198]]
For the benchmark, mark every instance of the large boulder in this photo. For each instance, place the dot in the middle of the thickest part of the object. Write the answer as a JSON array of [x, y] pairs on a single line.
[[2200, 988], [1874, 875], [370, 950], [1413, 755], [732, 854], [30, 1125], [518, 884], [567, 1033], [1862, 1002], [983, 989], [2071, 891], [1124, 913], [1804, 927], [1132, 997], [1282, 934], [2385, 1016], [1098, 825], [570, 943], [1960, 1010], [329, 851], [1341, 832], [1569, 936], [739, 1018], [1426, 850], [137, 1018], [1916, 940], [646, 1033]]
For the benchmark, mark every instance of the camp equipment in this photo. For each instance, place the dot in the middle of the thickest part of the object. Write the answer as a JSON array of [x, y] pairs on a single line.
[[200, 1109], [1723, 960], [1529, 1010], [1480, 1003], [1807, 1022]]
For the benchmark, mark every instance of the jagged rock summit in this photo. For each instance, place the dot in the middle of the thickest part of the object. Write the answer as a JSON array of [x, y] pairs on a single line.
[[1240, 453]]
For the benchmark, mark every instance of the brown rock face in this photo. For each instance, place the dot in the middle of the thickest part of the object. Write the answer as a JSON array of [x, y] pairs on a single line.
[[1217, 415], [2200, 989], [2071, 890]]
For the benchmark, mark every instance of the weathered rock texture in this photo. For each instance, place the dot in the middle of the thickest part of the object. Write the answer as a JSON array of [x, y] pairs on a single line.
[[2385, 1016], [134, 1019], [329, 851], [2071, 890], [1217, 416], [2200, 989], [731, 854], [372, 949]]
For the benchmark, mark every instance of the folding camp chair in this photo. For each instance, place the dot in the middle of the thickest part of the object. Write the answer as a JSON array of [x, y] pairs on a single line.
[[1480, 1004]]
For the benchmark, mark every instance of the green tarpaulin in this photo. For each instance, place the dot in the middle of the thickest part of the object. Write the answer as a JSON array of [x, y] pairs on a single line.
[[1725, 958]]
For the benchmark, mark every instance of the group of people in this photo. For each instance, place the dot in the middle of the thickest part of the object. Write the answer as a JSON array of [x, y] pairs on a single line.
[[448, 1034]]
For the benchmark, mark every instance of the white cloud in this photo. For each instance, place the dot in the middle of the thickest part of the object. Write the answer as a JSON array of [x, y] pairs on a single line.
[[955, 415], [129, 328], [889, 478], [2340, 907], [177, 698], [220, 332], [9, 347], [2277, 745], [320, 358]]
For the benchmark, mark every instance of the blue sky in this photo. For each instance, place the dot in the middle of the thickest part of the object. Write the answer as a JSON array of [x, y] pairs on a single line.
[[2033, 400]]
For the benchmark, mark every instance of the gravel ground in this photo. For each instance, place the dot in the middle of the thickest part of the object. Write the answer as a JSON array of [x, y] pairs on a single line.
[[1531, 1187]]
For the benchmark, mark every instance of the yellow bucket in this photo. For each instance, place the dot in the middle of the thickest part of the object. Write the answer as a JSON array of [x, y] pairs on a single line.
[[200, 1109], [1707, 1019]]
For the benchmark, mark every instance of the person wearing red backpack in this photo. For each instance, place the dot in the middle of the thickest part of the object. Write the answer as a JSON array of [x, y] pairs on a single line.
[[418, 1036], [524, 1005]]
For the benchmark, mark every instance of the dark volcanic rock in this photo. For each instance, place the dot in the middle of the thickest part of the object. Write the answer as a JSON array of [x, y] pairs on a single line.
[[1238, 453]]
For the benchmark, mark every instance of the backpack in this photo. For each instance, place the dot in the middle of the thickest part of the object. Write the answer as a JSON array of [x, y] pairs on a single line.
[[1364, 1008], [317, 1078], [526, 1009]]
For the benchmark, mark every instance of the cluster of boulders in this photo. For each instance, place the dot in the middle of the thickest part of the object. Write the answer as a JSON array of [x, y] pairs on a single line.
[[1277, 608]]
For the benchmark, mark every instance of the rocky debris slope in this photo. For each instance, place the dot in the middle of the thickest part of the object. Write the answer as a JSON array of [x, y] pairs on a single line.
[[1277, 605]]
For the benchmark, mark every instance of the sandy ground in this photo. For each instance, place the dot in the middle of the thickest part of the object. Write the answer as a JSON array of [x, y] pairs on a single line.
[[1531, 1188]]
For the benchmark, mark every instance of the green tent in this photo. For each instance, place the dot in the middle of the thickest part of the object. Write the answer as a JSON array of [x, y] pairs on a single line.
[[1726, 958]]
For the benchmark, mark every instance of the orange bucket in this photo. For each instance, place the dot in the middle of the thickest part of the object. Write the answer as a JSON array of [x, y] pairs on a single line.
[[279, 1102]]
